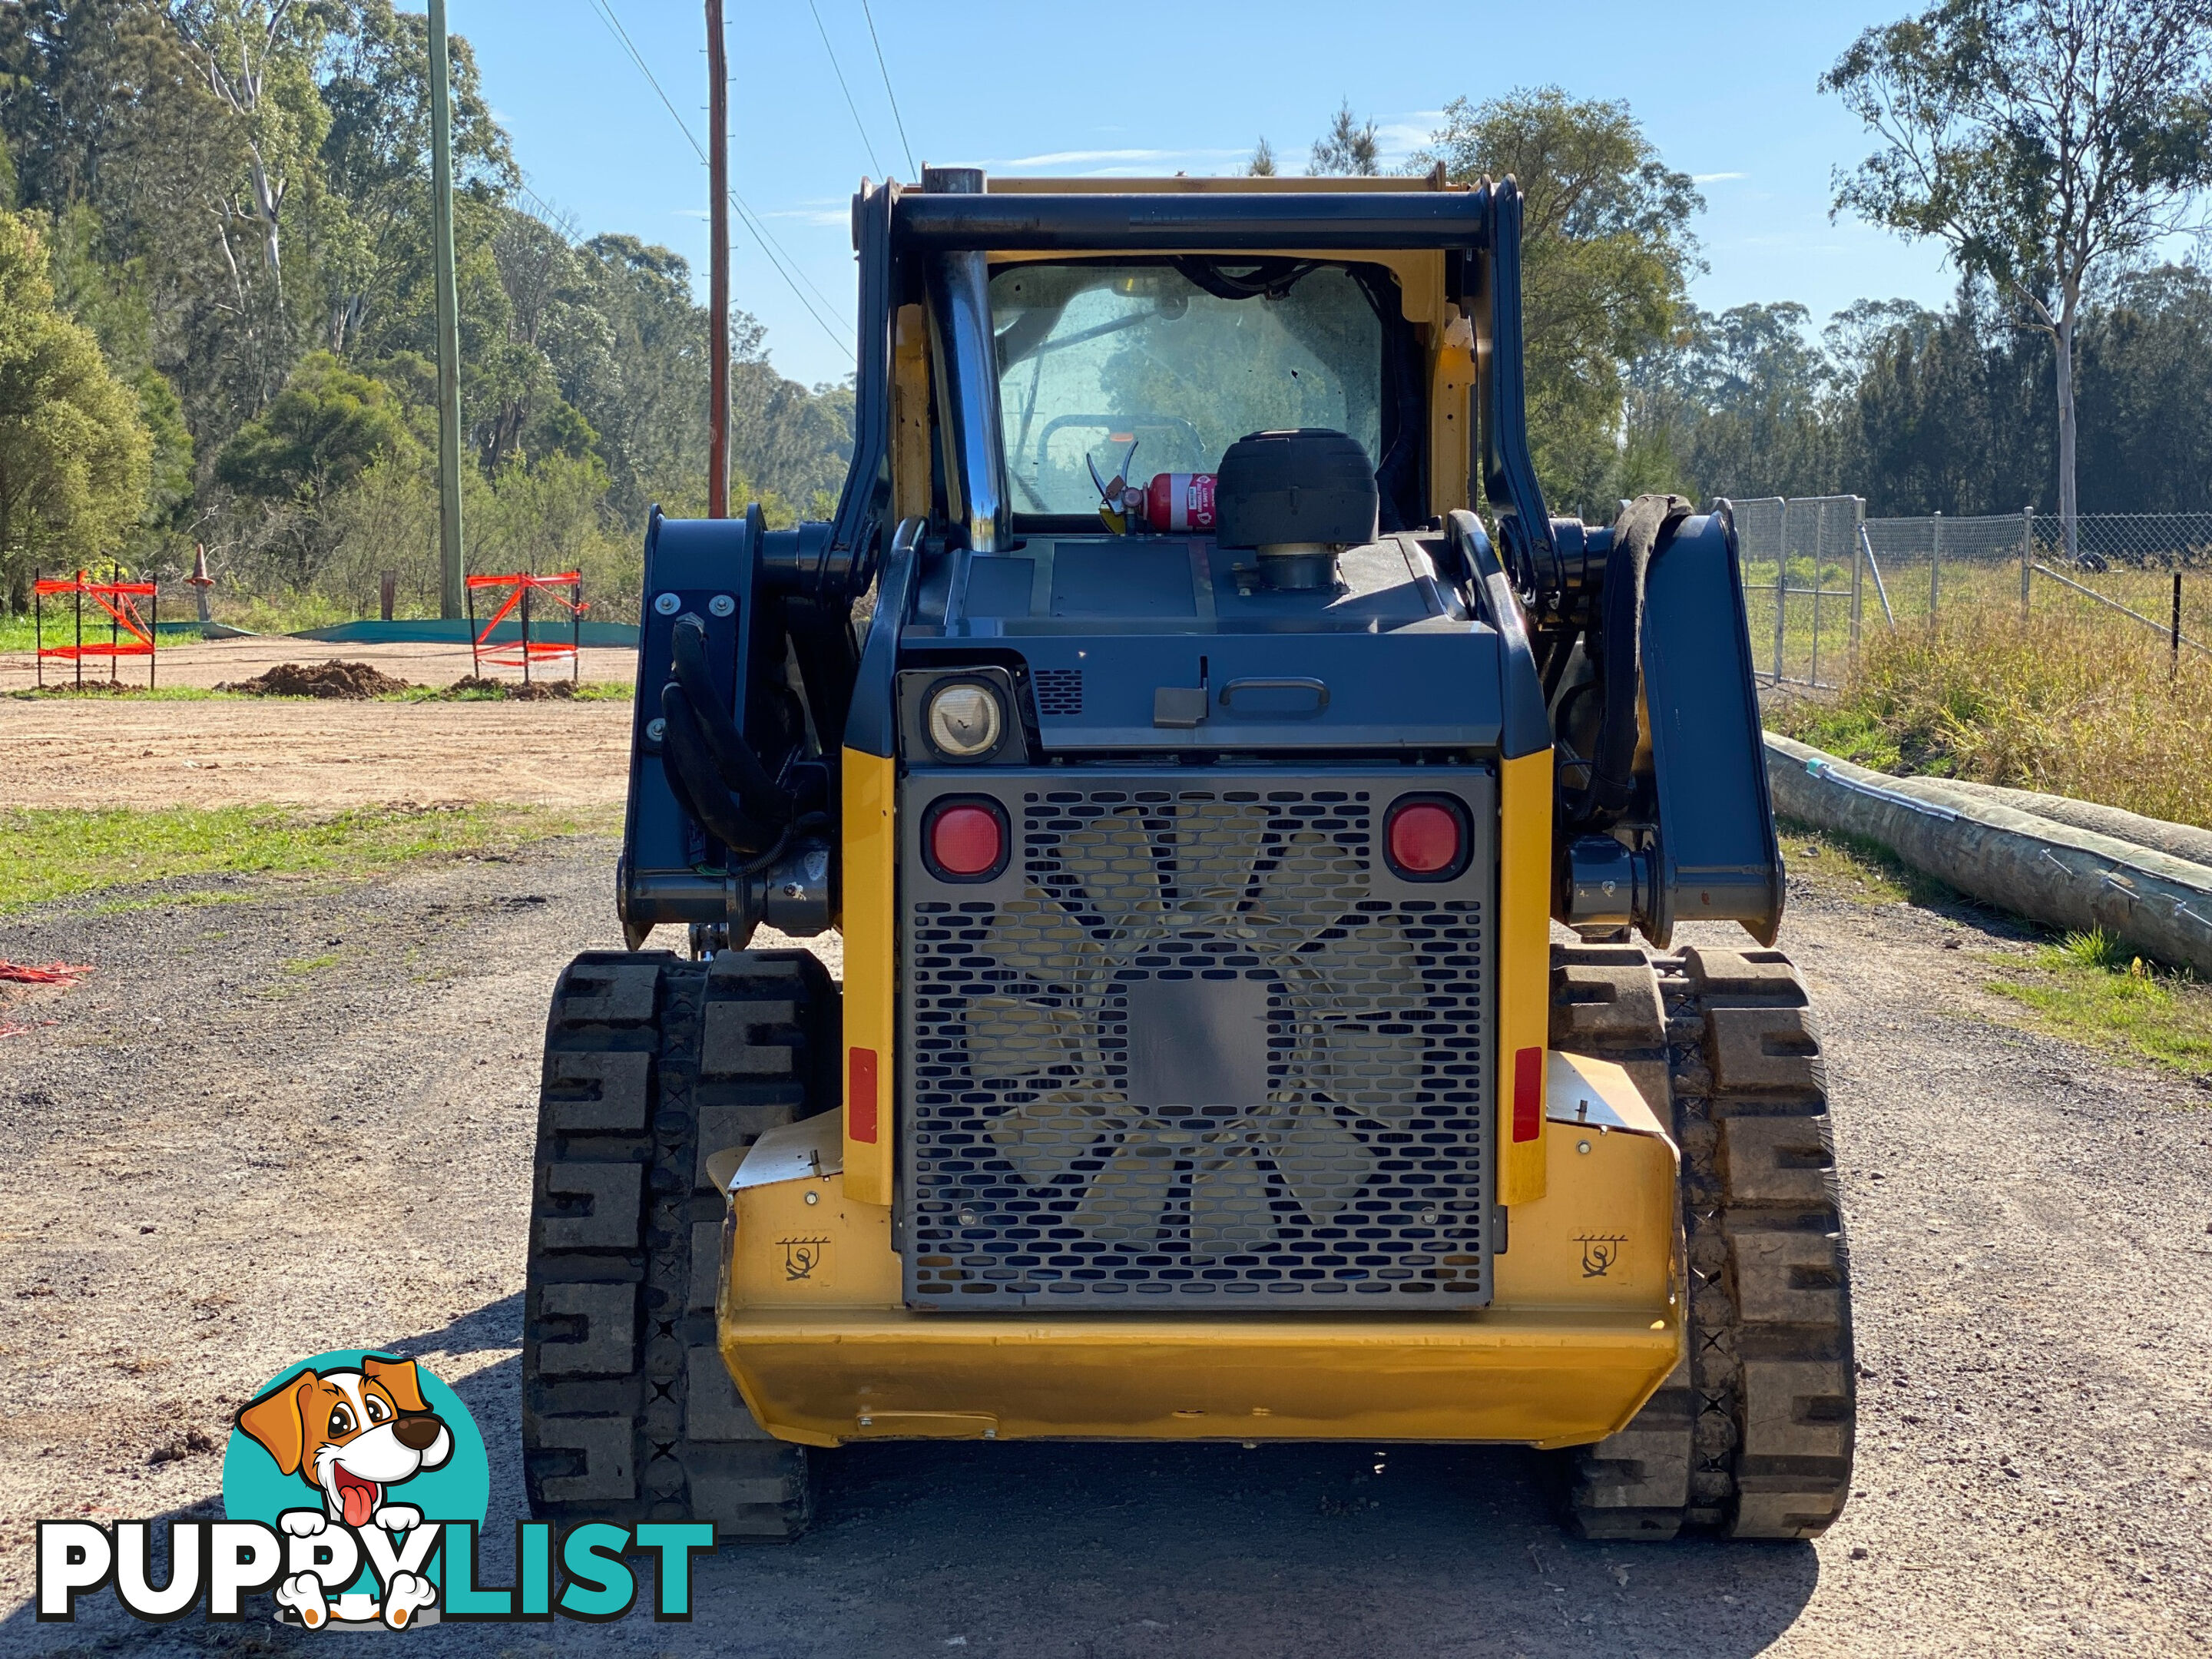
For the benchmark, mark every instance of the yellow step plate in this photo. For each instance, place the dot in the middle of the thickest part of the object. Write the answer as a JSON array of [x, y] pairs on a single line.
[[1584, 1325], [1541, 1378]]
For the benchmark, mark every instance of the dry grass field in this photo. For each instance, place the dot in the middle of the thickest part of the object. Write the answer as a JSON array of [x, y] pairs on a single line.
[[2059, 701]]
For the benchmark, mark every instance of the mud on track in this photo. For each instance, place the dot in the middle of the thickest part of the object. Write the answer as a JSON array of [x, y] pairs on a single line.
[[220, 1158]]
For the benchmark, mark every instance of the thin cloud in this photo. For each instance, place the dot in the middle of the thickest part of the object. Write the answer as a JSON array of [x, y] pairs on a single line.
[[813, 215], [1715, 178]]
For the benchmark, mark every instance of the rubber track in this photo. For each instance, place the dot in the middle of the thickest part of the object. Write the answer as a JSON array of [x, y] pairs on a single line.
[[1751, 1437], [652, 1065]]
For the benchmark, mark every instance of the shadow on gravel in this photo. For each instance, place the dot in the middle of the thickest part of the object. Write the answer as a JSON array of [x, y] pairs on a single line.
[[1102, 1552]]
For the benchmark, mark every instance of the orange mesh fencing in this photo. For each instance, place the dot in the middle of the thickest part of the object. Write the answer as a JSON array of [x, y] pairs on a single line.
[[524, 651], [129, 633]]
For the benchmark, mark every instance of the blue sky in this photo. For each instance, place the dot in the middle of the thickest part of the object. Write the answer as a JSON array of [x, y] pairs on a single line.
[[1727, 91]]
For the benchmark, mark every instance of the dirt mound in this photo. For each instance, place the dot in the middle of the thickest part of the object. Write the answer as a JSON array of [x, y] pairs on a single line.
[[474, 685], [355, 681], [89, 689]]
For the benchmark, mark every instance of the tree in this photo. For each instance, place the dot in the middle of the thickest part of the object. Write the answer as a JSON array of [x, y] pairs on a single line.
[[376, 86], [1607, 255], [258, 58], [1262, 164], [1865, 326], [73, 452], [328, 426], [2041, 141], [1350, 147], [1751, 413], [2146, 394], [110, 123]]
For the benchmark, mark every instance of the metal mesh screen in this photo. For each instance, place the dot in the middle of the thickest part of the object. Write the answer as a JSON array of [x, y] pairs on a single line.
[[1201, 1059]]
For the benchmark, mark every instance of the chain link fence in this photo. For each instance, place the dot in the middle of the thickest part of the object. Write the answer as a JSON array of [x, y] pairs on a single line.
[[1804, 584], [1818, 572]]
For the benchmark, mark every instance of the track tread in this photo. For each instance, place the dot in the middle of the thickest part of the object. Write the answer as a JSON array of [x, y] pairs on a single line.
[[1752, 1436], [652, 1065]]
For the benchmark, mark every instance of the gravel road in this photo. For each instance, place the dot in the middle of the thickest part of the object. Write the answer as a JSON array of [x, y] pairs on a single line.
[[302, 1120]]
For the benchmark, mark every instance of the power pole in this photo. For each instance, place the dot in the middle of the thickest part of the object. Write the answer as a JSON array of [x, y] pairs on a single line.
[[449, 319], [718, 268]]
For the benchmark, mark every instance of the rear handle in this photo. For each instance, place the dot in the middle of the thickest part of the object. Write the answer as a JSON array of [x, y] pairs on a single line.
[[1318, 688]]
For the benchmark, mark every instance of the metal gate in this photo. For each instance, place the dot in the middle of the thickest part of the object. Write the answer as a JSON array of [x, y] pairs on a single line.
[[1805, 575]]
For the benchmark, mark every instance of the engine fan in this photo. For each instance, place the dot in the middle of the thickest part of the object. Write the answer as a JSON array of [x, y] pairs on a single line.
[[1272, 916]]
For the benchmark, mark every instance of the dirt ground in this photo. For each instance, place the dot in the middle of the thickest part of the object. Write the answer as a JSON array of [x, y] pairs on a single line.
[[301, 1120], [231, 752], [209, 662]]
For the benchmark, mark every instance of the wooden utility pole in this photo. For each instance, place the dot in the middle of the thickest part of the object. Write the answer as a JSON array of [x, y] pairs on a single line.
[[449, 319], [718, 268]]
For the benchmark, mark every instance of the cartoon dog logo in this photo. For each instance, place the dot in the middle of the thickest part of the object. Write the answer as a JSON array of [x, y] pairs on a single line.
[[352, 1435]]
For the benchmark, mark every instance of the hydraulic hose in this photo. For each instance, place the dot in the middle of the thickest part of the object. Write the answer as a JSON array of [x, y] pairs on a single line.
[[697, 783], [1642, 526], [758, 793]]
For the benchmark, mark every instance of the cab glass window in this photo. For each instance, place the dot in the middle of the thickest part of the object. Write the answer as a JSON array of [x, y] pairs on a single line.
[[1177, 361]]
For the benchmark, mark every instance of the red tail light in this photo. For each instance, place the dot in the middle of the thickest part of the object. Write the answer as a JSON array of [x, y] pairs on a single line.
[[966, 841], [1426, 838], [862, 1094], [1527, 1093]]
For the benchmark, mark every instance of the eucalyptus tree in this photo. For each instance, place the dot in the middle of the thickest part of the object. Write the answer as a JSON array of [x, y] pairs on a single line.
[[2044, 142]]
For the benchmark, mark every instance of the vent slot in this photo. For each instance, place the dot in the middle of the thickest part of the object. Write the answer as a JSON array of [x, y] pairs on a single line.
[[1059, 693]]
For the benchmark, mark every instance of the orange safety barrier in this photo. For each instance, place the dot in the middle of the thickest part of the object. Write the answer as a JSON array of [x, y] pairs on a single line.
[[521, 653], [119, 599]]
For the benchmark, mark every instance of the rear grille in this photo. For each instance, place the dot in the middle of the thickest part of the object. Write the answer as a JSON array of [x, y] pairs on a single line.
[[1203, 1058]]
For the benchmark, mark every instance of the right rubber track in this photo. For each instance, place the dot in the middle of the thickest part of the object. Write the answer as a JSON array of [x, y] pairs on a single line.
[[654, 1065], [1751, 1437]]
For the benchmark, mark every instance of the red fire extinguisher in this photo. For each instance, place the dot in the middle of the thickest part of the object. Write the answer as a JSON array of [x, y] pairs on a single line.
[[1174, 501]]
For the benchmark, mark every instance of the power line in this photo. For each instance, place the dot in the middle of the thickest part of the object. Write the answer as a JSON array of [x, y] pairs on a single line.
[[746, 216], [838, 68], [913, 171], [774, 250]]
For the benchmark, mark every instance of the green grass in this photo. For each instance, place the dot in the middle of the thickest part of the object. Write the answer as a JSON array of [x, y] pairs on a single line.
[[192, 899], [588, 691], [2059, 704], [1847, 866], [21, 633], [2086, 987], [2090, 989], [56, 853], [2094, 949], [137, 693]]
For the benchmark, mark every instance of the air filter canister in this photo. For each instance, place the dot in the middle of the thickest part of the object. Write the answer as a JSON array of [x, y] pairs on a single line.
[[1294, 496]]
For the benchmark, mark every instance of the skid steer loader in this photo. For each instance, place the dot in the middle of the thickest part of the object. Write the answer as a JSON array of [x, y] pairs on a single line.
[[1195, 724]]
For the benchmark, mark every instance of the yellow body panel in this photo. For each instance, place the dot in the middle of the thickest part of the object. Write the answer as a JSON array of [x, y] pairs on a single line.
[[1584, 1326], [1524, 957], [910, 437], [869, 920], [1451, 387]]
